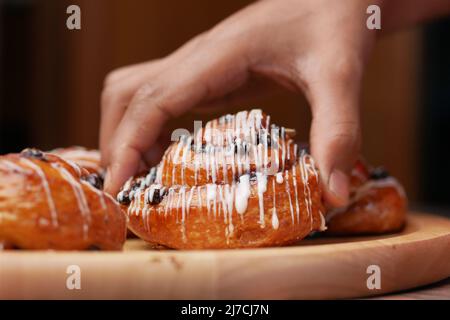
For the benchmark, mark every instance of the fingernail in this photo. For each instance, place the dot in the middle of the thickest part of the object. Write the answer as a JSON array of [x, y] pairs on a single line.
[[338, 184]]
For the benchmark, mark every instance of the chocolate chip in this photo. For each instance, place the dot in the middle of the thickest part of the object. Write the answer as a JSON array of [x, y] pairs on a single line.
[[124, 197], [269, 141], [94, 180], [33, 153], [150, 177], [262, 138], [197, 147], [135, 185], [158, 196], [379, 173]]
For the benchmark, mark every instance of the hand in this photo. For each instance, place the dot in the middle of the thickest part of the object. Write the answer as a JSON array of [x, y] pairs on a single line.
[[318, 47]]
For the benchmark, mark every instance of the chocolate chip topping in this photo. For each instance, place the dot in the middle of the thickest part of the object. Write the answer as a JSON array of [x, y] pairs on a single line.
[[33, 153], [262, 138], [94, 180], [158, 196], [136, 185], [379, 173], [124, 197]]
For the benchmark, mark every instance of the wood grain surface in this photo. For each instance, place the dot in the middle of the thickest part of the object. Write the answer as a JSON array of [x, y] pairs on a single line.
[[435, 291], [316, 268]]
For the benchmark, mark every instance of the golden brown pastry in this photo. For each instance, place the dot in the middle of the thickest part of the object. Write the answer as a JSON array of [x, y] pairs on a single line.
[[377, 205], [84, 158], [87, 159], [239, 182], [49, 203], [242, 182]]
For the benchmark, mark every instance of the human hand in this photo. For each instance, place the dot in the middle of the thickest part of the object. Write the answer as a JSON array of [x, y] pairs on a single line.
[[318, 47]]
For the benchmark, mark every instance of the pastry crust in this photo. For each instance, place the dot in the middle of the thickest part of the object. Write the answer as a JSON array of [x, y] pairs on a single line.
[[203, 217], [48, 203], [85, 158]]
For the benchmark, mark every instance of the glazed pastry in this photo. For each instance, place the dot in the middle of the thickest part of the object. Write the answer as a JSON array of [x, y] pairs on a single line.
[[239, 182], [49, 203], [87, 159], [84, 158], [242, 182], [377, 204]]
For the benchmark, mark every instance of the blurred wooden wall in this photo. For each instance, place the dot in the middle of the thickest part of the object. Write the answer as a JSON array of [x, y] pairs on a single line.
[[118, 32]]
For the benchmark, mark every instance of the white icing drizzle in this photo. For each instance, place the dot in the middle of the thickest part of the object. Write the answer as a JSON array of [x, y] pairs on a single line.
[[175, 158], [275, 222], [79, 195], [191, 194], [45, 186], [294, 181], [229, 197], [283, 148], [183, 212], [199, 197], [242, 194], [186, 153], [279, 177], [211, 196], [262, 187], [306, 190], [288, 192], [9, 165]]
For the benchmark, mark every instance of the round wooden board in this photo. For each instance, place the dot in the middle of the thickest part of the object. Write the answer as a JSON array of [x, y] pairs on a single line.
[[315, 268]]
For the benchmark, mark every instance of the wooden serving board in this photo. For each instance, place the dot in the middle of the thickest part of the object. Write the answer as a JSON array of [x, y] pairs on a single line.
[[315, 268]]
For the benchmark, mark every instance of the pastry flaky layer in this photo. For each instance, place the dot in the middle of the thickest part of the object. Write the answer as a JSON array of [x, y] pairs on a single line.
[[84, 158], [49, 203]]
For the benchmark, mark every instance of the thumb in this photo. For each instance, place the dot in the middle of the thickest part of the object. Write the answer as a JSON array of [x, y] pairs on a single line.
[[335, 135]]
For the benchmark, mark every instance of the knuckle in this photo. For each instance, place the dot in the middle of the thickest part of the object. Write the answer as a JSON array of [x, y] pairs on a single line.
[[114, 96], [111, 77], [145, 92], [148, 100]]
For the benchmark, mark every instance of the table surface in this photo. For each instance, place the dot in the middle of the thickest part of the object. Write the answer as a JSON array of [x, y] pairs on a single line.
[[304, 271], [438, 291]]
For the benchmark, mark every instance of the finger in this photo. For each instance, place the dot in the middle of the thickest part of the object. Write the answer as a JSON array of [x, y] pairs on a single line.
[[123, 73], [114, 101], [335, 134], [202, 76], [256, 87], [153, 156]]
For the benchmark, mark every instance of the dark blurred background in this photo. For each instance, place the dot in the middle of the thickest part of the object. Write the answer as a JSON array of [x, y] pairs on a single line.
[[51, 79]]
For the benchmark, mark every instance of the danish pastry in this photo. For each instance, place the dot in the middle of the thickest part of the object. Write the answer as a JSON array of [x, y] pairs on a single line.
[[49, 203], [84, 158], [377, 204], [87, 159], [239, 182], [243, 182]]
